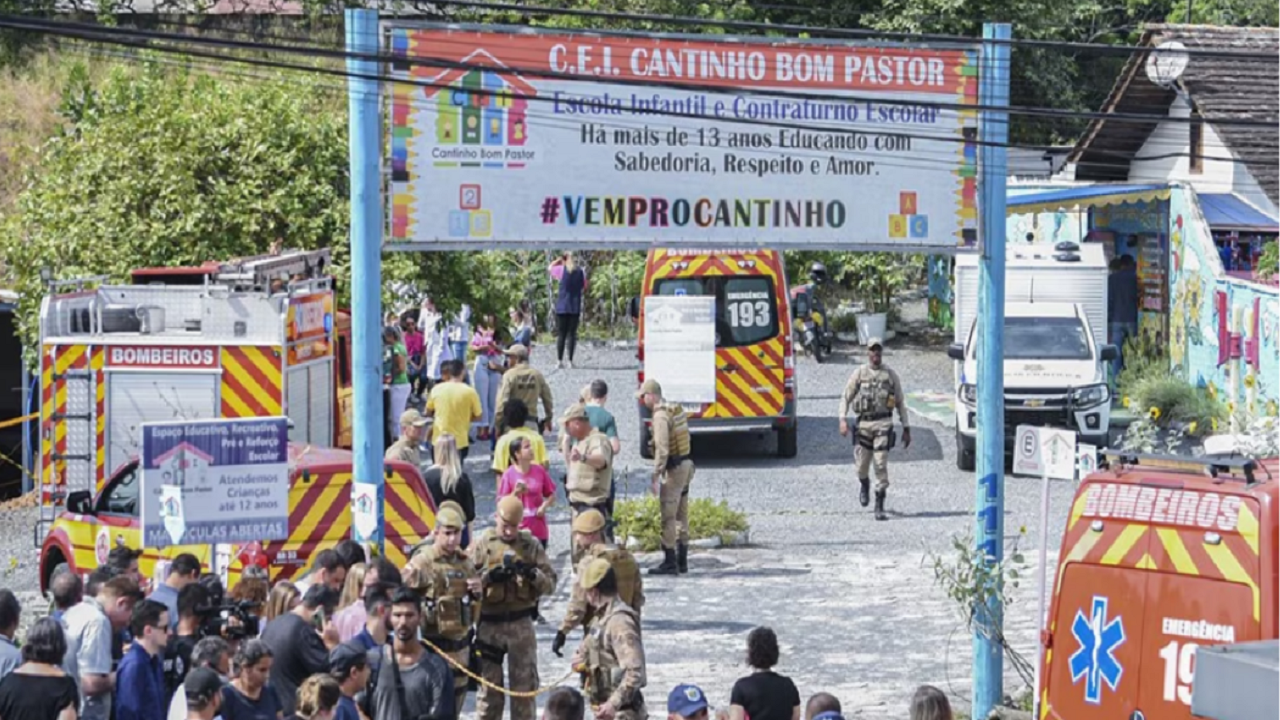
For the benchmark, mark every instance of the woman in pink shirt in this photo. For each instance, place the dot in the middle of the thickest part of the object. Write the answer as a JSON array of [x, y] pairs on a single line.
[[533, 485]]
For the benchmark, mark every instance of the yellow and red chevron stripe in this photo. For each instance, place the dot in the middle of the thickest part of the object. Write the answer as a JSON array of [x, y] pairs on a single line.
[[252, 380], [100, 414], [58, 359], [754, 387], [1181, 550]]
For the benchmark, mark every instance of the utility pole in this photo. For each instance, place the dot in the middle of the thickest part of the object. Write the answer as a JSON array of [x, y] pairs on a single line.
[[993, 92], [366, 278]]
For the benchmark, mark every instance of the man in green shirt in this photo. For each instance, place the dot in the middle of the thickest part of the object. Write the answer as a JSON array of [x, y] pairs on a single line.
[[602, 420], [395, 371]]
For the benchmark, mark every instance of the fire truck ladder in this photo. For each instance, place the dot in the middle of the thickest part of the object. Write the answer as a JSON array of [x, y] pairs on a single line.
[[73, 462], [261, 270]]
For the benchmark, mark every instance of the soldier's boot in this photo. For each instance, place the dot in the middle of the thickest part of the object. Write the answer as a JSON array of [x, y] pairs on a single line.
[[682, 557], [880, 514], [864, 491], [668, 566]]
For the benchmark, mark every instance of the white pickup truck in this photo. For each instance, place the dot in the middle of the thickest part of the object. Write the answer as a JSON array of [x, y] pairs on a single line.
[[1055, 375]]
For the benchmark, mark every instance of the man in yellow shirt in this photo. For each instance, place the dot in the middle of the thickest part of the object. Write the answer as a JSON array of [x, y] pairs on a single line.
[[514, 415], [455, 405]]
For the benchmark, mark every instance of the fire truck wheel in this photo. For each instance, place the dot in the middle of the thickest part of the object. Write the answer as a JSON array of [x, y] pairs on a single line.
[[787, 442]]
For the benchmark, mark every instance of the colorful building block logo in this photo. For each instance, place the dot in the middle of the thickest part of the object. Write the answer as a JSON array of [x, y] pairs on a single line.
[[483, 106], [470, 220], [907, 222]]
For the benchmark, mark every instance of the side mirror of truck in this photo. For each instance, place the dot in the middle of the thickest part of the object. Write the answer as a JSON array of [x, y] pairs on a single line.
[[80, 502], [955, 351], [1109, 353]]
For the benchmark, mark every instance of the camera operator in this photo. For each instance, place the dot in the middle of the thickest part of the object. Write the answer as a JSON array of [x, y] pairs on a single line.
[[300, 640], [211, 653], [193, 610]]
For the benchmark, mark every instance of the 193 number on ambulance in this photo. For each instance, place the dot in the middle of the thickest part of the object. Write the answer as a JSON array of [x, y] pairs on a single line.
[[747, 314], [1179, 671]]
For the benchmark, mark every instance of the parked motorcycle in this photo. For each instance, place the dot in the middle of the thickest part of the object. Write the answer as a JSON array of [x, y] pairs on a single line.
[[811, 329]]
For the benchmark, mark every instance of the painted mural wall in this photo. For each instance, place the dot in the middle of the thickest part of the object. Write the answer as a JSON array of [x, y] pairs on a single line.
[[1223, 331]]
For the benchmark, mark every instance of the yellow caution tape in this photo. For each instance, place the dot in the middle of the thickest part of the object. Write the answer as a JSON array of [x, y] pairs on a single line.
[[492, 686], [17, 420]]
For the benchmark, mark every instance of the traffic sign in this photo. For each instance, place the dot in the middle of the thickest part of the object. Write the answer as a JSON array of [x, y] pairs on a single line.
[[1045, 451]]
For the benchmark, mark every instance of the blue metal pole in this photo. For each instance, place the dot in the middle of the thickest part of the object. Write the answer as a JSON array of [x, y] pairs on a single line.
[[366, 271], [993, 91]]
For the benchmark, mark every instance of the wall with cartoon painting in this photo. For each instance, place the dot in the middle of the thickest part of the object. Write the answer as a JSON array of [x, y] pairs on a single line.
[[1222, 330]]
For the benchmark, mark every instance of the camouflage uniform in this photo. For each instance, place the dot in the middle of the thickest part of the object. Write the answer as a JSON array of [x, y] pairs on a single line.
[[588, 487], [526, 384], [506, 623], [405, 451], [874, 393], [673, 463], [449, 609], [614, 659], [630, 588]]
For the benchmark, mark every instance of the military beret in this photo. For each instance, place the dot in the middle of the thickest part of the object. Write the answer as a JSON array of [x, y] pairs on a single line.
[[511, 510], [589, 521], [450, 515], [595, 572]]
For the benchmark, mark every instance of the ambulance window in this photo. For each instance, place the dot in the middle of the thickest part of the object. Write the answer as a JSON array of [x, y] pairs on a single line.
[[122, 497], [748, 308], [680, 286]]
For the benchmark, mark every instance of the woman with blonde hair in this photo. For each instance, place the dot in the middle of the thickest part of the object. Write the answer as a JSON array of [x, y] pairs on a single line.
[[446, 481], [317, 698], [353, 588], [283, 598]]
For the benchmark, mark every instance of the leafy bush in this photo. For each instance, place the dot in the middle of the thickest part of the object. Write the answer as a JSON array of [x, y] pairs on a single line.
[[1169, 401], [1143, 359], [1269, 260], [642, 519]]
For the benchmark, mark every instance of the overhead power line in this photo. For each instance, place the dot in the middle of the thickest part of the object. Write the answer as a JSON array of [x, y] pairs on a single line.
[[314, 51]]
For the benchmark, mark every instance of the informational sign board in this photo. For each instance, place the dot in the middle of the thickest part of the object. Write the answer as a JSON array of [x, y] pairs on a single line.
[[1042, 450], [504, 138], [680, 346], [1086, 460], [215, 481]]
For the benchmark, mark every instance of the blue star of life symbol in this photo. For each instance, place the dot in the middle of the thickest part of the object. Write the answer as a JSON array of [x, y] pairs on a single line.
[[1095, 661]]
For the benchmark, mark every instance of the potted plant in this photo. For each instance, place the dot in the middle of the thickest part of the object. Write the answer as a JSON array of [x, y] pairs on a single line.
[[876, 277]]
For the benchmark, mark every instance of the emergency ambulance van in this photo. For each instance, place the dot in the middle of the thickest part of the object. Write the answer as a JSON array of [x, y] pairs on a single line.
[[1161, 556], [319, 517], [754, 354]]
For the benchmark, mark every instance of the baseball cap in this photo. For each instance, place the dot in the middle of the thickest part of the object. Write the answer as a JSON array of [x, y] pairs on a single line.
[[589, 521], [344, 658], [200, 685], [511, 510], [650, 386], [413, 417], [595, 572], [686, 700], [874, 343], [450, 515], [576, 411], [518, 351]]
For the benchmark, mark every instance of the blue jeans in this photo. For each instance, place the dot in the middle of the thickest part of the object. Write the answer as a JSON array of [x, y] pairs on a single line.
[[1117, 333]]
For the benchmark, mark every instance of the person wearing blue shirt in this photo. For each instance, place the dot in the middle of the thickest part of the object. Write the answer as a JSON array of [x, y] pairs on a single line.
[[1122, 306], [184, 570], [140, 693], [349, 666]]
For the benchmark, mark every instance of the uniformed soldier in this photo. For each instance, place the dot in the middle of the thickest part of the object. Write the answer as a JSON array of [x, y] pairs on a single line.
[[523, 382], [611, 656], [450, 587], [588, 540], [873, 392], [515, 573], [590, 460], [672, 473], [412, 431]]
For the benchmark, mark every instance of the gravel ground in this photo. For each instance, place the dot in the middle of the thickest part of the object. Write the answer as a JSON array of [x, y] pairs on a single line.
[[853, 600]]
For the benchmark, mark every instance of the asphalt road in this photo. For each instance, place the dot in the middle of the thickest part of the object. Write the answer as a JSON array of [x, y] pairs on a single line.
[[853, 600]]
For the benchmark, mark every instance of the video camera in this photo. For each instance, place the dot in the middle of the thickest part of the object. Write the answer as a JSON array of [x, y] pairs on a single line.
[[511, 568], [232, 621]]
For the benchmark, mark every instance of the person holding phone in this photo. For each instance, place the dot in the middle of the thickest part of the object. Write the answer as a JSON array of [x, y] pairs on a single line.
[[532, 484], [300, 641], [573, 284]]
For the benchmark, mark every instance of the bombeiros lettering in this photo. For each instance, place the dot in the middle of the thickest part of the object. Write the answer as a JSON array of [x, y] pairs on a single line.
[[1163, 506], [162, 356]]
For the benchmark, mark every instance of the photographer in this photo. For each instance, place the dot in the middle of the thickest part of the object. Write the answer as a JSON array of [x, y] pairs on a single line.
[[300, 640], [193, 609]]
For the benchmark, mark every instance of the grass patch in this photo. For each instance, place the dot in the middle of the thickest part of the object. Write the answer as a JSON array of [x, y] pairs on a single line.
[[642, 519]]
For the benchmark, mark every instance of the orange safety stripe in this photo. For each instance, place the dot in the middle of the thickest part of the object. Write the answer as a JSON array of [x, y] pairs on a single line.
[[251, 382], [100, 388]]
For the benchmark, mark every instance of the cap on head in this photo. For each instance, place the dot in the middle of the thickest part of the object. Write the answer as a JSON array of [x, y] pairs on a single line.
[[576, 411], [875, 344], [200, 685], [413, 417], [519, 352], [686, 700], [590, 521], [650, 387], [511, 510], [595, 572], [345, 657], [450, 515]]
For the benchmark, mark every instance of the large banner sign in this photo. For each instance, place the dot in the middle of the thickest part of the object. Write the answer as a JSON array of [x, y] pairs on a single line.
[[505, 138]]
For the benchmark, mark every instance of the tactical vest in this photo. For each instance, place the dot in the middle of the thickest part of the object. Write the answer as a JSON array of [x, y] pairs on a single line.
[[443, 582], [625, 571], [515, 594], [602, 663], [679, 443], [584, 482], [876, 391]]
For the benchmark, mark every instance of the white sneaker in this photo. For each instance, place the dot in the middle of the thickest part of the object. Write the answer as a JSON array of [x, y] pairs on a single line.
[[559, 364], [569, 365]]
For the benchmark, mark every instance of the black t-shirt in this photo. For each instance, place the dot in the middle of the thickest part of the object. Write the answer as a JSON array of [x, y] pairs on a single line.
[[461, 494], [766, 696], [36, 697], [299, 654], [177, 660], [238, 706]]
